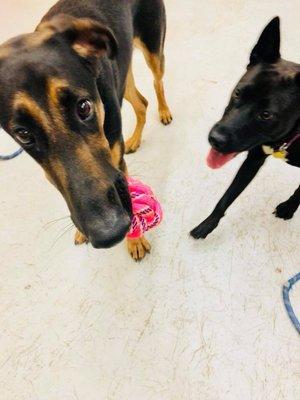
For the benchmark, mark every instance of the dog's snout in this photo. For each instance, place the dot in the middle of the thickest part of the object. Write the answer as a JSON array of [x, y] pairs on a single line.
[[217, 139], [102, 237], [101, 208]]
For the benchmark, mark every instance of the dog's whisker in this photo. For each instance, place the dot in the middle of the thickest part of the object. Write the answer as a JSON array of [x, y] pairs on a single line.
[[50, 224], [66, 229], [54, 221]]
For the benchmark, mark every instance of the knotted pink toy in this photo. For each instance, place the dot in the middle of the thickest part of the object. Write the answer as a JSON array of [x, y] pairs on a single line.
[[147, 212]]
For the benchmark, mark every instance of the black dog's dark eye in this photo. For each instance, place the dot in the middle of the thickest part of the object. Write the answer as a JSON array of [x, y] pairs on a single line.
[[266, 115], [24, 137], [84, 109], [237, 94]]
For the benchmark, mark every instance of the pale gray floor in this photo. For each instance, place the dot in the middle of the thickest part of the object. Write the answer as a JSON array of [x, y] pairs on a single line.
[[195, 320]]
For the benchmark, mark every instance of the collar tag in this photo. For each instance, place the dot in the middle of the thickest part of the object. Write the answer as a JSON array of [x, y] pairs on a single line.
[[281, 153]]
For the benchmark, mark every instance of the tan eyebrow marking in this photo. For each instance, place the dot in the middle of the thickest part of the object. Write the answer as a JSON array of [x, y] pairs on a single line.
[[55, 86], [24, 101]]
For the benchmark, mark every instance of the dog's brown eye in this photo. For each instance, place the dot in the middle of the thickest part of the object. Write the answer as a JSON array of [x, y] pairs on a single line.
[[84, 109], [24, 137], [266, 115]]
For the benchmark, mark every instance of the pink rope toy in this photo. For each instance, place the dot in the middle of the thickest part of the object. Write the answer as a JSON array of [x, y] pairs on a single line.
[[147, 212]]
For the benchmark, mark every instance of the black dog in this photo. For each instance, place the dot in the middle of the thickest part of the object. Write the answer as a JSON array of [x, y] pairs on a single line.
[[61, 92], [263, 118]]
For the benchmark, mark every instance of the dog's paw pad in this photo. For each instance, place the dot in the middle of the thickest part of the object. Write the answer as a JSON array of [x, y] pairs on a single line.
[[138, 248], [284, 211]]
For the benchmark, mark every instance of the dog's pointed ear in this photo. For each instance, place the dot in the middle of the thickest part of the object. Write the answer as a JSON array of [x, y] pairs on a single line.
[[267, 49], [86, 36]]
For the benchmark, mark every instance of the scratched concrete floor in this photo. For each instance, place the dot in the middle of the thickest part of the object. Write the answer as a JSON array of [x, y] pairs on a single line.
[[195, 320]]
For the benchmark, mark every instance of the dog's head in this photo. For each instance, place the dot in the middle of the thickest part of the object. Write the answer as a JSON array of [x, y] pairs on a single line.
[[49, 103], [264, 106]]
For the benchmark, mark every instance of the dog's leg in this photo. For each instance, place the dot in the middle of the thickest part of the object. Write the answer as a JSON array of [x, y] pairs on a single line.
[[150, 32], [139, 104], [246, 173], [287, 209], [137, 248], [156, 63]]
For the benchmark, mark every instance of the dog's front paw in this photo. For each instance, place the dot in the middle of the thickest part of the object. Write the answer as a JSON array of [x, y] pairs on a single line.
[[285, 210], [138, 248], [80, 239], [205, 228], [165, 116]]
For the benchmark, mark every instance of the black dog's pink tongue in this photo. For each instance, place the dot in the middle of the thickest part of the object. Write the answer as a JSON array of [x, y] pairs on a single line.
[[217, 160]]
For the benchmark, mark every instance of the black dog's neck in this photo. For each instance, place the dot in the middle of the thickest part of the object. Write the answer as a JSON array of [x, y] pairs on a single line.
[[287, 139]]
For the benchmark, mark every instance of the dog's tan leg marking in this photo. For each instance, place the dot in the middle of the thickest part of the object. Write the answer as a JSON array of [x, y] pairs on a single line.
[[156, 62], [139, 104], [157, 66], [80, 238], [138, 248]]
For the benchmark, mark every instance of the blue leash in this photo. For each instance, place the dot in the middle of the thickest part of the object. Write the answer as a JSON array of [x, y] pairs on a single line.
[[11, 156], [287, 302]]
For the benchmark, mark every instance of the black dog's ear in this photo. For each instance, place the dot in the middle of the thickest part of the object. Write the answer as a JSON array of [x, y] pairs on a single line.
[[267, 49], [86, 36]]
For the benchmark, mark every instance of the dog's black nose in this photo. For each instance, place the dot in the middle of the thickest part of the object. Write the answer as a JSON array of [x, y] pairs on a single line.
[[217, 139], [103, 237]]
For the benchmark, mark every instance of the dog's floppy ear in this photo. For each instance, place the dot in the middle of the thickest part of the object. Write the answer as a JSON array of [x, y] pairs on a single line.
[[86, 36], [267, 49]]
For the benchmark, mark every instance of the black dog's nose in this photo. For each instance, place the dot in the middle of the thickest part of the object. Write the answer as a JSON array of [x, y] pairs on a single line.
[[103, 237], [217, 139]]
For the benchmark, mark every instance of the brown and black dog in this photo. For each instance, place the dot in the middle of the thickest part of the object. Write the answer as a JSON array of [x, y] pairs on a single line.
[[61, 92]]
